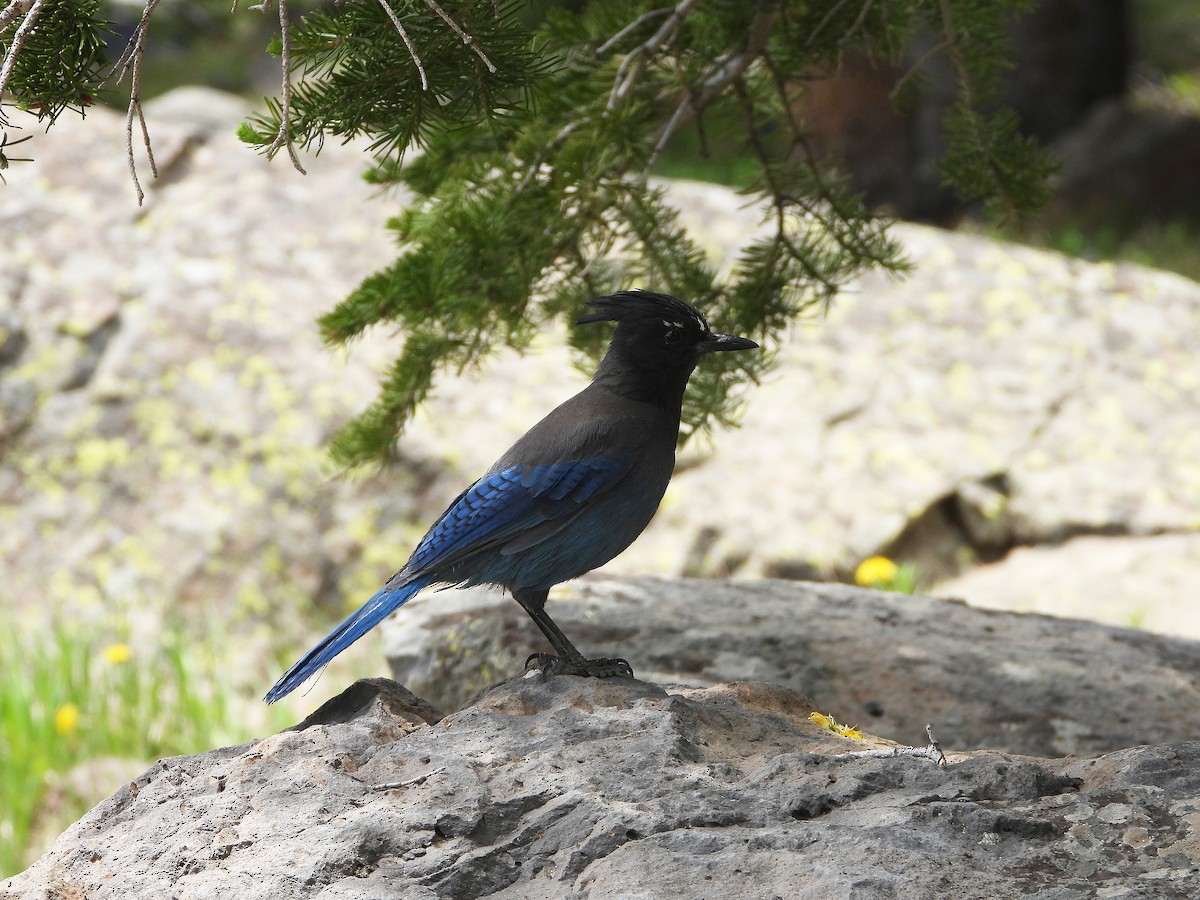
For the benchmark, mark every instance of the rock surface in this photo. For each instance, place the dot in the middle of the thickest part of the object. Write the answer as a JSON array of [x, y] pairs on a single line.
[[887, 662], [165, 402], [574, 788]]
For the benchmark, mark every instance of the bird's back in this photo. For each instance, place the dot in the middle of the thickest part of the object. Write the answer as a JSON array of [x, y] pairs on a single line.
[[633, 441]]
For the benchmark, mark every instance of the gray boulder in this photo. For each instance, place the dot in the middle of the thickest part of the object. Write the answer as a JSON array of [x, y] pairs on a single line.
[[165, 402], [889, 663], [573, 788]]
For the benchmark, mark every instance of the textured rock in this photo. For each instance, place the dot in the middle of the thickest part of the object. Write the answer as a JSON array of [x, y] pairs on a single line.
[[1115, 580], [165, 403], [573, 788], [887, 662]]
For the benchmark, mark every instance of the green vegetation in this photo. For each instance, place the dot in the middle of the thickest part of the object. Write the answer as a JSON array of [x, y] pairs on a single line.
[[1170, 245], [539, 127], [72, 697]]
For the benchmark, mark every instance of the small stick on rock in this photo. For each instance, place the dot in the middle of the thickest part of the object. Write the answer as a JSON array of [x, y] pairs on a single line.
[[933, 751], [420, 779]]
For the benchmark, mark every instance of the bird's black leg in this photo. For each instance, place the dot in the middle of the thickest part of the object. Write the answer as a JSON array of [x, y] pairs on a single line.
[[569, 660]]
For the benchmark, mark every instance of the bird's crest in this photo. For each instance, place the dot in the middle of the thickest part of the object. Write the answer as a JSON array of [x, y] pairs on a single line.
[[635, 306]]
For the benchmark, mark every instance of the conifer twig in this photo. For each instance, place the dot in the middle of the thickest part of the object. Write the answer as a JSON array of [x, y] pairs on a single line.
[[283, 137], [970, 104], [631, 27], [916, 67], [726, 71], [14, 9], [30, 8], [635, 62], [131, 62], [466, 38], [412, 51]]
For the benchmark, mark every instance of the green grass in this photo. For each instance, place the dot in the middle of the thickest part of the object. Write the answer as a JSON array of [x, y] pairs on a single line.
[[170, 698], [1170, 245]]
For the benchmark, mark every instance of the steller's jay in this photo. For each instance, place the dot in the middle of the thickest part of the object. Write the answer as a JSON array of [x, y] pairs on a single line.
[[570, 495]]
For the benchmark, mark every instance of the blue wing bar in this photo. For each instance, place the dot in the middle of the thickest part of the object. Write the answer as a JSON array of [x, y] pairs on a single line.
[[503, 504]]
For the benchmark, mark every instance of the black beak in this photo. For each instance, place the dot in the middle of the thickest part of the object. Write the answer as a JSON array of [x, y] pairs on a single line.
[[718, 342]]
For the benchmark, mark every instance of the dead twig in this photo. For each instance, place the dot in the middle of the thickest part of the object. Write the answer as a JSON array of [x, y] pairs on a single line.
[[412, 51], [630, 28], [30, 8], [933, 751], [420, 779], [14, 9], [635, 62], [283, 137], [916, 67], [466, 38], [131, 62], [725, 72]]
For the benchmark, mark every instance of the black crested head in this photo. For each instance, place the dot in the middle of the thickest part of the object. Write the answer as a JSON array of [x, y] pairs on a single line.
[[632, 306], [657, 343]]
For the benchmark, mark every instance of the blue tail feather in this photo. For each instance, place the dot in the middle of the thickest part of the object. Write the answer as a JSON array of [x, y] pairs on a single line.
[[350, 630]]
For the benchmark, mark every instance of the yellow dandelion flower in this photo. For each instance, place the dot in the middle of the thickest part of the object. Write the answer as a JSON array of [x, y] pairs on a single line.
[[823, 720], [875, 570], [66, 719], [115, 654]]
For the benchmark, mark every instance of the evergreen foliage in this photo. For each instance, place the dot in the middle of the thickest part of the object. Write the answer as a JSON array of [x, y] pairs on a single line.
[[62, 60], [536, 134]]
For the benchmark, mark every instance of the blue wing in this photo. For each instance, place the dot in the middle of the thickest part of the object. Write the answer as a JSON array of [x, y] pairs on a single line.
[[512, 509], [509, 510]]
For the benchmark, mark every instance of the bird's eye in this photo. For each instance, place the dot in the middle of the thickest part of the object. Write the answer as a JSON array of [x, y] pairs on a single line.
[[672, 336]]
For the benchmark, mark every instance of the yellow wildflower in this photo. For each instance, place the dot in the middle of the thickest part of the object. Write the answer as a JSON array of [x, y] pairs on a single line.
[[836, 727], [115, 654], [875, 570], [823, 720], [66, 719]]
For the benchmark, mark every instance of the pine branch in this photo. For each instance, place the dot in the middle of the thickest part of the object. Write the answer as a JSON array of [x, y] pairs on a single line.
[[283, 134], [466, 38], [531, 191], [30, 11], [635, 62], [721, 76], [412, 51]]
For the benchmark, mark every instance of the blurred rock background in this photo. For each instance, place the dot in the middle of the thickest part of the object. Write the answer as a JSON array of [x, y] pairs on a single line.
[[1020, 425]]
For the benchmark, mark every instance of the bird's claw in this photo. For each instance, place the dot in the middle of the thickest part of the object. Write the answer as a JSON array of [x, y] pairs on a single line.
[[603, 667]]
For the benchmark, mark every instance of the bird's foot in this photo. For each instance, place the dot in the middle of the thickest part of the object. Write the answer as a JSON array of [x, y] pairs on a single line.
[[588, 668]]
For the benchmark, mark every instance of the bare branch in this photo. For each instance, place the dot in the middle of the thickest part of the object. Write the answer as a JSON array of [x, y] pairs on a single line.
[[858, 22], [933, 751], [726, 71], [916, 67], [631, 27], [412, 51], [283, 137], [14, 9], [420, 779], [466, 38], [19, 37], [131, 62], [825, 20], [673, 125], [635, 63]]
